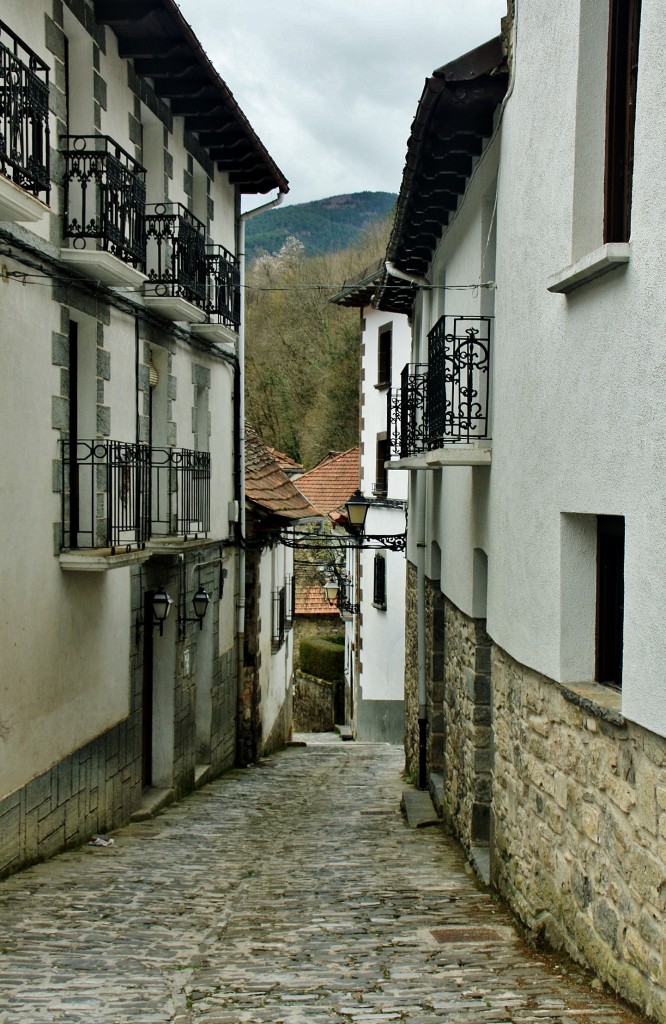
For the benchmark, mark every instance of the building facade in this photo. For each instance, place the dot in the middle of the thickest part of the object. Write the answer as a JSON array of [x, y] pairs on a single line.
[[530, 424], [123, 157]]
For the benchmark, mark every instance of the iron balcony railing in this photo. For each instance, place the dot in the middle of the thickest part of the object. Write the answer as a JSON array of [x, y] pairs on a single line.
[[105, 198], [176, 253], [183, 262], [223, 286], [105, 491], [447, 400], [180, 492], [24, 116], [117, 494]]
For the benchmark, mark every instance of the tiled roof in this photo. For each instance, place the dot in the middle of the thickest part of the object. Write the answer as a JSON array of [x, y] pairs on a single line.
[[312, 601], [285, 462], [268, 486], [330, 483]]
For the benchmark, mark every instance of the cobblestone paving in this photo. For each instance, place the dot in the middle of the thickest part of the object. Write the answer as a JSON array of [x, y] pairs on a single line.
[[289, 892]]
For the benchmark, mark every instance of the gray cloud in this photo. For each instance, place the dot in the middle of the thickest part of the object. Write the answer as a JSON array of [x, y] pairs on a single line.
[[331, 86]]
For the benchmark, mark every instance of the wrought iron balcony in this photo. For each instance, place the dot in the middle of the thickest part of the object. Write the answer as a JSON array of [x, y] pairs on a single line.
[[117, 495], [24, 116], [105, 494], [446, 401], [407, 430], [180, 492], [223, 286], [105, 198], [176, 254]]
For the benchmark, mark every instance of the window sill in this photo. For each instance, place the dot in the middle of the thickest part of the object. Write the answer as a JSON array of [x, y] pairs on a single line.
[[599, 701], [588, 268], [382, 385]]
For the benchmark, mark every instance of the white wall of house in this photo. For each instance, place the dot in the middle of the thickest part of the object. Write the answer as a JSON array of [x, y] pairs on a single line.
[[276, 669], [380, 684]]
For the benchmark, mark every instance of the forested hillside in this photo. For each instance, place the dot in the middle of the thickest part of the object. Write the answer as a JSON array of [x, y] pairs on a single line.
[[302, 352], [327, 225]]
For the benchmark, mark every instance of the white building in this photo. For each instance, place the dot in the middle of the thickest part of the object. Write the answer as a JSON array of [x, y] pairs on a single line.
[[385, 345], [532, 431], [123, 157]]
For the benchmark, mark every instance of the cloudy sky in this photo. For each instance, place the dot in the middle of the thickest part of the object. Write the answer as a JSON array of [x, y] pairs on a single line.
[[331, 86]]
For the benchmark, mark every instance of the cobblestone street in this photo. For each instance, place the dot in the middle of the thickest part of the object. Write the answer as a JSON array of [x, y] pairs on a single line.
[[289, 892]]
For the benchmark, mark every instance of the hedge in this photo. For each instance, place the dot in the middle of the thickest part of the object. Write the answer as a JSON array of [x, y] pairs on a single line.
[[322, 658]]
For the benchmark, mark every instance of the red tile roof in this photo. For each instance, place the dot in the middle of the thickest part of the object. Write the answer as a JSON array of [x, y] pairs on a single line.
[[312, 601], [286, 462], [267, 485], [330, 483]]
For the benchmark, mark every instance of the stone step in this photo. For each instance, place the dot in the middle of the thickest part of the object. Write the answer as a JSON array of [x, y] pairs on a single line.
[[418, 808], [152, 801]]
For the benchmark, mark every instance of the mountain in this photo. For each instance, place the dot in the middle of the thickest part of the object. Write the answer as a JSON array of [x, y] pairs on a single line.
[[325, 225]]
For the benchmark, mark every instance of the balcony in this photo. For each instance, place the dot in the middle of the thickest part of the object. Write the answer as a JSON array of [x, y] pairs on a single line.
[[105, 197], [439, 414], [25, 178], [189, 278], [118, 497]]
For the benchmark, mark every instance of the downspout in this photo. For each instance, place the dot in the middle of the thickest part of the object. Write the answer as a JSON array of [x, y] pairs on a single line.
[[418, 518], [240, 441]]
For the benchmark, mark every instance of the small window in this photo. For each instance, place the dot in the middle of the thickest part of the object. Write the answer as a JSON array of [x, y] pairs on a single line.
[[279, 617], [623, 33], [380, 486], [610, 600], [385, 344], [379, 587]]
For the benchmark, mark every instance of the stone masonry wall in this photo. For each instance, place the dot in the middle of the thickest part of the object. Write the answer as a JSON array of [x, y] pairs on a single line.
[[579, 846], [468, 751], [314, 704], [411, 677], [435, 646]]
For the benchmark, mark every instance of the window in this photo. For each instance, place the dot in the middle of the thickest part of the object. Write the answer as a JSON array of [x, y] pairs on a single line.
[[380, 486], [385, 343], [379, 583], [623, 34], [610, 599], [279, 617], [290, 601]]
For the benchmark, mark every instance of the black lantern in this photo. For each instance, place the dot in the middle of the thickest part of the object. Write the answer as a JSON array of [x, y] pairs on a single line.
[[357, 510], [200, 602], [162, 602]]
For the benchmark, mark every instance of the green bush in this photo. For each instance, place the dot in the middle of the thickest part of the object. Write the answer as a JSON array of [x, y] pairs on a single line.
[[335, 638], [322, 658]]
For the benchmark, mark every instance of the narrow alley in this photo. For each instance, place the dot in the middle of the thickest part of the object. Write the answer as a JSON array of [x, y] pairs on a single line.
[[288, 892]]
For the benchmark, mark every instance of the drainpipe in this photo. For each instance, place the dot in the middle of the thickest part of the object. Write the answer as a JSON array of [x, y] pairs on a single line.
[[417, 517], [240, 440]]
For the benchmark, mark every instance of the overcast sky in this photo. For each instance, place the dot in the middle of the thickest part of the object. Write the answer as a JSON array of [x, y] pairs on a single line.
[[331, 86]]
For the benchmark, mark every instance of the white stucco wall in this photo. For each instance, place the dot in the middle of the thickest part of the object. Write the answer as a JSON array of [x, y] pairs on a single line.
[[579, 427]]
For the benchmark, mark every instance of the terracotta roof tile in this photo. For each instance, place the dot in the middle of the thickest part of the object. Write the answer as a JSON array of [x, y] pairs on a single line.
[[268, 486], [330, 483], [312, 601], [286, 462]]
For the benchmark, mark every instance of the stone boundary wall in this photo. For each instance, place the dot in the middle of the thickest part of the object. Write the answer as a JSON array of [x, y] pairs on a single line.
[[468, 745], [314, 704], [579, 845]]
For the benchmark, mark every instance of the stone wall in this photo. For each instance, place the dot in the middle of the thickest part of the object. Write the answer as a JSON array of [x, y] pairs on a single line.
[[579, 845], [468, 749], [411, 677], [314, 704], [315, 625]]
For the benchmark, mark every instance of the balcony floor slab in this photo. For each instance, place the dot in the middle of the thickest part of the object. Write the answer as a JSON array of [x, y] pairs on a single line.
[[477, 454], [173, 307], [103, 266], [18, 205], [101, 559]]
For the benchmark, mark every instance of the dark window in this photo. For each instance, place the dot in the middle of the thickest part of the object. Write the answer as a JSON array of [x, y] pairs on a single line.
[[290, 601], [610, 599], [385, 344], [379, 586], [279, 617], [380, 487], [623, 33]]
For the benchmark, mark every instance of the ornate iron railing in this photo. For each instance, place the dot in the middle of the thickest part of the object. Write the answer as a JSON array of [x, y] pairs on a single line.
[[105, 198], [407, 429], [24, 115], [176, 253], [105, 488], [458, 372], [180, 492], [118, 495], [223, 286], [447, 400]]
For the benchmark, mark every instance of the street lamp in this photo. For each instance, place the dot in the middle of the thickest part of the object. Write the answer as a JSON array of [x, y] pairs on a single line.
[[357, 509], [162, 602]]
